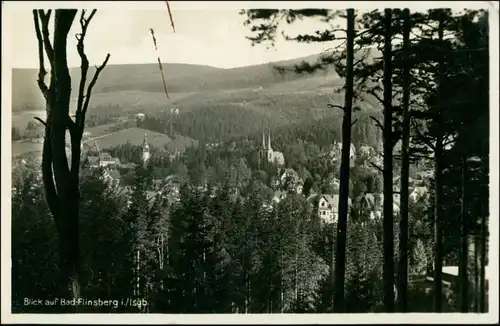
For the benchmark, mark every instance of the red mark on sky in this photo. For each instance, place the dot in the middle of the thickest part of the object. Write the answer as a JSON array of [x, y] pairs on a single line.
[[159, 63], [170, 15], [154, 38]]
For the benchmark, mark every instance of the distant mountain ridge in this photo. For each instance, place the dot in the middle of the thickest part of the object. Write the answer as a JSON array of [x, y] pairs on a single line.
[[214, 104], [183, 78]]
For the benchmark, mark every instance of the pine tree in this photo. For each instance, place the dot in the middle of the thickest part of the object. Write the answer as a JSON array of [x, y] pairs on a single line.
[[364, 267], [138, 240], [157, 232], [103, 250], [34, 246]]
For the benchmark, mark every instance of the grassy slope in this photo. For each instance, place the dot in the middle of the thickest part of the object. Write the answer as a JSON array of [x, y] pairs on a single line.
[[134, 135], [105, 140]]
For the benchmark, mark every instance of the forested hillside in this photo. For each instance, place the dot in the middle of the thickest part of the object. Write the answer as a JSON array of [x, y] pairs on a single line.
[[214, 104]]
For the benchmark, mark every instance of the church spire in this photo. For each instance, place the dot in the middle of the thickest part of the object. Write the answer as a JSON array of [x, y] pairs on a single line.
[[263, 140], [145, 145], [269, 140], [145, 149]]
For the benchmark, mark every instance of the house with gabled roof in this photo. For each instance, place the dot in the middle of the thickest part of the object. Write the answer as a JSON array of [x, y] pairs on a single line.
[[371, 205], [327, 206], [418, 193]]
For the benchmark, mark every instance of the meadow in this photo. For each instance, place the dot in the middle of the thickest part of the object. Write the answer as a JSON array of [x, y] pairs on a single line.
[[20, 119]]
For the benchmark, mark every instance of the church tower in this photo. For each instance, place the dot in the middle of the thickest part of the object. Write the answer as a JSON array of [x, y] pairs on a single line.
[[270, 152], [145, 149], [263, 150]]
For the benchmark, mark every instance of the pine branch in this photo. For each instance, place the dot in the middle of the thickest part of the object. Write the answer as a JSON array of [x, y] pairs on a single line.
[[376, 167], [41, 121], [424, 139], [377, 122], [318, 37], [335, 106], [372, 92]]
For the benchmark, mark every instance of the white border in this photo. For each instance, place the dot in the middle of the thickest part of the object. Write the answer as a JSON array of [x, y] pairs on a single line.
[[8, 317]]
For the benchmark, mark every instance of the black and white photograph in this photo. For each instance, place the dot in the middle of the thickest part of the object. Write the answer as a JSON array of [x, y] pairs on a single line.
[[250, 162]]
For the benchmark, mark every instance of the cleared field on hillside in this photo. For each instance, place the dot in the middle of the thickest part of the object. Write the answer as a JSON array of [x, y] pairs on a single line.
[[131, 101], [21, 119], [135, 136], [23, 147], [101, 129], [19, 148]]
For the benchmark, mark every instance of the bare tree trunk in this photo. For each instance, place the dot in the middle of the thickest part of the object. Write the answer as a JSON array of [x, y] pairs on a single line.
[[61, 183], [388, 223], [60, 177], [405, 171], [338, 278], [464, 246]]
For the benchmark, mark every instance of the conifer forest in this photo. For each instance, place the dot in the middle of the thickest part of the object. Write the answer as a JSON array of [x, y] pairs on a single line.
[[379, 203]]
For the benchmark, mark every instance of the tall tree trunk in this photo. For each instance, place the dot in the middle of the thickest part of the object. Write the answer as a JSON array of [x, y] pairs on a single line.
[[438, 155], [296, 288], [464, 246], [339, 277], [61, 183], [405, 170], [482, 276], [60, 177], [476, 272], [438, 242], [388, 223], [282, 297]]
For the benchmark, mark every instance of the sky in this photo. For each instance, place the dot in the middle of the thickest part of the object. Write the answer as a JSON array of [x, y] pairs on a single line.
[[207, 33], [215, 38]]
